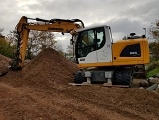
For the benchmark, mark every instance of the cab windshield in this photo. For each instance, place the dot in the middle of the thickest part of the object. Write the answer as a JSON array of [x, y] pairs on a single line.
[[89, 41]]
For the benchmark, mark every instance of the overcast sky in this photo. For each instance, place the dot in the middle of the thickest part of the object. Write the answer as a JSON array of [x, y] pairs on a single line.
[[123, 16]]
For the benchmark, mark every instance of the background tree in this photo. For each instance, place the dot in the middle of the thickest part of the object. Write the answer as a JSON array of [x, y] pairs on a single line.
[[70, 49], [12, 37], [152, 68], [70, 52], [42, 40], [154, 35], [37, 41], [1, 30], [6, 48], [58, 47]]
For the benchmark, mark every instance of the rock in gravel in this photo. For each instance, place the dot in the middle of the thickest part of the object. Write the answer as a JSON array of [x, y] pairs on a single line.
[[153, 80], [144, 83]]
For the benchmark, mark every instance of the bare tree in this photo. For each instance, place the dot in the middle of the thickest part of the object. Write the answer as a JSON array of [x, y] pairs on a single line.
[[1, 30], [154, 34], [12, 37], [37, 41], [70, 49], [154, 30]]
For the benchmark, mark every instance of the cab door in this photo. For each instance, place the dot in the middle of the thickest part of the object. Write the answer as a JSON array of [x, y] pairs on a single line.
[[104, 45], [94, 45], [86, 47]]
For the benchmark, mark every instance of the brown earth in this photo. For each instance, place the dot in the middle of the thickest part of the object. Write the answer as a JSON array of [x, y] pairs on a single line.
[[4, 64], [40, 91]]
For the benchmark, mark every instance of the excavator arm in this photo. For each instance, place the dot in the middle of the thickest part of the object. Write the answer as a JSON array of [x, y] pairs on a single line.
[[54, 25]]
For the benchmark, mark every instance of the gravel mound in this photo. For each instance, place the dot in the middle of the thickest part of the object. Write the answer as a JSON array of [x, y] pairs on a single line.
[[4, 63], [48, 68]]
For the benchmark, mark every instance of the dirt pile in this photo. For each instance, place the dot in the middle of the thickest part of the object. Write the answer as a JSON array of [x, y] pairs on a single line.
[[4, 63], [47, 69]]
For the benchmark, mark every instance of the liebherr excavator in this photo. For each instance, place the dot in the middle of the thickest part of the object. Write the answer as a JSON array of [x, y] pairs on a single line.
[[97, 57]]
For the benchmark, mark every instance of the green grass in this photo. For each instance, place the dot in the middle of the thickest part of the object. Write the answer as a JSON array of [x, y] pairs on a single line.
[[153, 72]]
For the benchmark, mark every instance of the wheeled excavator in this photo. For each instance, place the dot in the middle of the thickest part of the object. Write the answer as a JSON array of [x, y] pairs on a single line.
[[99, 58]]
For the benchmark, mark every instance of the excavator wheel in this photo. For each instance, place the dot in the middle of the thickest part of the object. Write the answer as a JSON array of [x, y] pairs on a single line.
[[79, 77], [123, 77]]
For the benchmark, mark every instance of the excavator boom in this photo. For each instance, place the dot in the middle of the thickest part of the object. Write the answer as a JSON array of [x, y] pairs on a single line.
[[54, 25]]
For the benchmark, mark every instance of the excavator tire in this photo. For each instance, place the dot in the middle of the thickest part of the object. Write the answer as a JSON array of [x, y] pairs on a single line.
[[79, 77], [122, 77]]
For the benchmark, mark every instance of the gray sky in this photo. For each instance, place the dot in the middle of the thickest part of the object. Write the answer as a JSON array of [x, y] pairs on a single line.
[[123, 16]]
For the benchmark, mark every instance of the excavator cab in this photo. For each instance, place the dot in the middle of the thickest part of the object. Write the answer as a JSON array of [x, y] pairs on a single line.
[[93, 45]]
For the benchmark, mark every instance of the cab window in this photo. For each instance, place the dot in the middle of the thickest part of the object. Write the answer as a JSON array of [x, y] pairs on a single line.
[[86, 43], [89, 41], [100, 37]]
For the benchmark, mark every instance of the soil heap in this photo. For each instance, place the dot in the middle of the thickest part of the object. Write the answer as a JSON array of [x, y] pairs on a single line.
[[4, 63], [48, 68]]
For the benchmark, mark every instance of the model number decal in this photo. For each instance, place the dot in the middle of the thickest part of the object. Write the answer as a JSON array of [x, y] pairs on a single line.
[[133, 53]]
